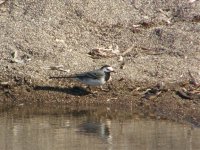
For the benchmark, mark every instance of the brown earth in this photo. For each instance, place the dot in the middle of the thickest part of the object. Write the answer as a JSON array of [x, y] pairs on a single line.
[[156, 41]]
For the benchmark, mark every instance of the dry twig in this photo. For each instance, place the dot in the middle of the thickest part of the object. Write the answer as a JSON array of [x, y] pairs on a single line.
[[59, 68]]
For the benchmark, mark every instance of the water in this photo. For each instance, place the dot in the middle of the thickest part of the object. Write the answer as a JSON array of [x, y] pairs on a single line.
[[33, 128]]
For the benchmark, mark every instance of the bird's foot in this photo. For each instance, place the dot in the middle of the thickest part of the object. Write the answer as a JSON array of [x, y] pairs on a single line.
[[105, 90], [93, 92]]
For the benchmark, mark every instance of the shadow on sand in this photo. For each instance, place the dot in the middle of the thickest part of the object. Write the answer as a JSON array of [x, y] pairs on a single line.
[[77, 91]]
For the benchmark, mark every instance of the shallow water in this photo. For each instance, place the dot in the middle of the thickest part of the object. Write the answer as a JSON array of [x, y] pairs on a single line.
[[30, 128]]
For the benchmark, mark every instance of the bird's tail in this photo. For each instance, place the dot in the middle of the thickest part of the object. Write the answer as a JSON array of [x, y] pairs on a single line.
[[64, 77]]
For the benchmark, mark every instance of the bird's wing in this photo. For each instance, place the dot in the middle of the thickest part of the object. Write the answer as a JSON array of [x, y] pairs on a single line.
[[92, 74]]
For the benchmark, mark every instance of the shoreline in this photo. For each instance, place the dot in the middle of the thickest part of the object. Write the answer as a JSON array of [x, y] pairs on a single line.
[[146, 99]]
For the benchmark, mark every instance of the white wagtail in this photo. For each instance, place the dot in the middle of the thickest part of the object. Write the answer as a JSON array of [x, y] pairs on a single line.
[[96, 77]]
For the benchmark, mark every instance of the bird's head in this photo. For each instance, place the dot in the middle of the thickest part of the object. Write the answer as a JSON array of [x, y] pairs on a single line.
[[107, 68]]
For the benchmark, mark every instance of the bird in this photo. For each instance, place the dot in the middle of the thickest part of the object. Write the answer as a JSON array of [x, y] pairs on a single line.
[[96, 77]]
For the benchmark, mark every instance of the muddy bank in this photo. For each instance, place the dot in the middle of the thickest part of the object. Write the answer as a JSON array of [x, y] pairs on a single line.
[[144, 99], [148, 43]]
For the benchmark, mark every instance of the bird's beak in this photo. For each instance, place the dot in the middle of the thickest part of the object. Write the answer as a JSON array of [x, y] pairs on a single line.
[[114, 71]]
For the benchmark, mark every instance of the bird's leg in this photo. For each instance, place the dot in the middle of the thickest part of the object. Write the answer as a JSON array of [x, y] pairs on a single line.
[[90, 89]]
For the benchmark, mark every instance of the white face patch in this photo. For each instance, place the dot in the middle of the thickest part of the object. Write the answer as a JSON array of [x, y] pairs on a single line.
[[110, 69]]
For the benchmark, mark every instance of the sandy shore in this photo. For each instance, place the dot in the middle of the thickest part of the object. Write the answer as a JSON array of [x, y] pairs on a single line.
[[154, 47]]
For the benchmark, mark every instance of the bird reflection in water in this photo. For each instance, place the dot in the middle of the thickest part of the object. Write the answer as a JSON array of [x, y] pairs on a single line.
[[98, 129]]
